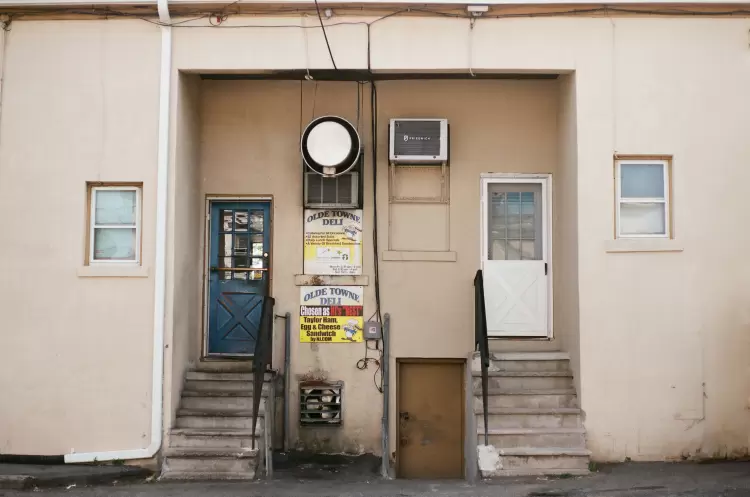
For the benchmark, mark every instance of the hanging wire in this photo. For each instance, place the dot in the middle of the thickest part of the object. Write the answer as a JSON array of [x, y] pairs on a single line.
[[325, 35]]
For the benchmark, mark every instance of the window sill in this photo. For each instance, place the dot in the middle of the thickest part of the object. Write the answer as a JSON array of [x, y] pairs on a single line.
[[631, 245], [331, 280], [113, 271], [419, 255]]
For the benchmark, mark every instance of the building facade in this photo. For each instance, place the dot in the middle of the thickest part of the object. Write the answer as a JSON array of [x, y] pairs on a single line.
[[623, 129]]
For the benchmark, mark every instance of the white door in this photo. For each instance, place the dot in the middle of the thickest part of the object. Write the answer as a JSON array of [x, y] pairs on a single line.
[[515, 256]]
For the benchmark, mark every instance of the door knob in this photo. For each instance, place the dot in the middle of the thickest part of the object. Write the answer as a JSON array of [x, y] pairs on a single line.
[[404, 416]]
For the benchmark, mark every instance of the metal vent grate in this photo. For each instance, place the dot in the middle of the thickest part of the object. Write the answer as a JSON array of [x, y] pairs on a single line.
[[320, 403], [417, 138], [340, 191]]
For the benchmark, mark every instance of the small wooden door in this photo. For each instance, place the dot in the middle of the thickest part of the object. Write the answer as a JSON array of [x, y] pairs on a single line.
[[430, 419], [239, 239]]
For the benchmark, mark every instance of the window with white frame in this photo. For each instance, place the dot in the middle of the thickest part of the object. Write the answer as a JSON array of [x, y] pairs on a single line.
[[115, 231], [642, 187]]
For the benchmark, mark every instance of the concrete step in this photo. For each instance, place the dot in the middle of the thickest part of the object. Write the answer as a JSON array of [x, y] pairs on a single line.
[[212, 438], [534, 437], [210, 421], [534, 380], [188, 463], [560, 417], [221, 411], [530, 356], [201, 453], [223, 376], [223, 386], [219, 393], [215, 402], [535, 461], [206, 476], [525, 361], [225, 366], [527, 398]]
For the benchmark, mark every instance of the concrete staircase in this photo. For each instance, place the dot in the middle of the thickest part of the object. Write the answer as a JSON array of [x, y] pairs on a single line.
[[212, 437], [535, 425]]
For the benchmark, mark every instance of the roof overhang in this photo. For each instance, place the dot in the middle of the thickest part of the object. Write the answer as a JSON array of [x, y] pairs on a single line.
[[373, 3]]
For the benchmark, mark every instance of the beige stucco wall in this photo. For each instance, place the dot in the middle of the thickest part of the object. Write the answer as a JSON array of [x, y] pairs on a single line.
[[184, 242], [666, 334], [565, 218], [663, 335], [79, 105], [250, 146]]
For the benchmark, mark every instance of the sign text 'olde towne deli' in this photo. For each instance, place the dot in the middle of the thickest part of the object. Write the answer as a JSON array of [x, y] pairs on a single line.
[[331, 314], [333, 242]]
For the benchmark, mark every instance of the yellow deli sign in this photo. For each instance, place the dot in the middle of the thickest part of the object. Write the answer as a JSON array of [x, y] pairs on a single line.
[[333, 242], [331, 314]]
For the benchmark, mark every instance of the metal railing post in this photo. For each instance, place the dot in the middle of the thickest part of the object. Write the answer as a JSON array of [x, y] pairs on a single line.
[[480, 338], [385, 466]]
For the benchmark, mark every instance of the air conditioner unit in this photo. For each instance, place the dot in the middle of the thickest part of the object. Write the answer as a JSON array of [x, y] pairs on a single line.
[[335, 192], [418, 141]]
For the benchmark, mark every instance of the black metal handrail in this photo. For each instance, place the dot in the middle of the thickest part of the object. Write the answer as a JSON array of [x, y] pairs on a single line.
[[262, 356], [480, 343]]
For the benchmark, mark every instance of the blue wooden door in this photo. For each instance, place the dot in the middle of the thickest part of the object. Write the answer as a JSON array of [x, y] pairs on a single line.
[[239, 247]]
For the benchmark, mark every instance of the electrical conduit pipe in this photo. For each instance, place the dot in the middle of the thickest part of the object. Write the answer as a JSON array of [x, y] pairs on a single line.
[[160, 276]]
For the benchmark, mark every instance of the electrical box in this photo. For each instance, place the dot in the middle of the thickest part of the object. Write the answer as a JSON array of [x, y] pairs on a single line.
[[372, 331]]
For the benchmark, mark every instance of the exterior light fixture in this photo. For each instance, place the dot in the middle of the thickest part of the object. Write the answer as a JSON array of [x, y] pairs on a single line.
[[330, 145]]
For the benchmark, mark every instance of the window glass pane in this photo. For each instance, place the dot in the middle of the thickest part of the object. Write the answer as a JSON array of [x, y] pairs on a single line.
[[256, 245], [225, 245], [528, 216], [513, 219], [226, 220], [241, 243], [497, 250], [256, 221], [642, 219], [514, 250], [515, 222], [226, 262], [240, 262], [240, 220], [116, 207], [114, 244], [641, 181]]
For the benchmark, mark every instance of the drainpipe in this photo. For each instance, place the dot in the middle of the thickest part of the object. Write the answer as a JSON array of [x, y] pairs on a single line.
[[4, 28], [385, 463], [160, 275]]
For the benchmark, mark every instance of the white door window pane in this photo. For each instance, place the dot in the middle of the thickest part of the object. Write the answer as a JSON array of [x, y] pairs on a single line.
[[115, 207], [515, 222], [641, 181], [114, 244], [642, 219]]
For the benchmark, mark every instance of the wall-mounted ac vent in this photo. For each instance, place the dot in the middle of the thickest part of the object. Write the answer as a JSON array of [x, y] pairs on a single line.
[[418, 141], [336, 192], [320, 403]]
